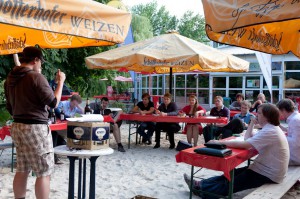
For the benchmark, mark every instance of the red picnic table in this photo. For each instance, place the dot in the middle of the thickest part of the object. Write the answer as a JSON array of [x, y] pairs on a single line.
[[113, 97], [59, 125], [225, 164], [155, 118]]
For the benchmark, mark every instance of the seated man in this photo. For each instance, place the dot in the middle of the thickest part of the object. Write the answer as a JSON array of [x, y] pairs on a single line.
[[245, 115], [236, 105], [103, 110], [53, 85], [261, 98], [270, 142], [220, 111], [166, 108], [145, 107], [71, 107], [288, 112]]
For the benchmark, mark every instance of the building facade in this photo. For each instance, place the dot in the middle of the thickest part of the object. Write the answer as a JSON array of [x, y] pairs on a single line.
[[285, 81]]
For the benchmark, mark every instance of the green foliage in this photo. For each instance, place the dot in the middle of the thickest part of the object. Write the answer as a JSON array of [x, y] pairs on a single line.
[[4, 116], [193, 27], [141, 28], [160, 19], [120, 105]]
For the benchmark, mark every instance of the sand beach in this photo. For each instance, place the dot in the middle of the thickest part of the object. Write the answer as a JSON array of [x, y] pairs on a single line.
[[141, 170]]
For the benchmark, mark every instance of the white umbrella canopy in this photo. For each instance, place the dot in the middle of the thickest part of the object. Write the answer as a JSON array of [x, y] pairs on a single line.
[[159, 54], [123, 79], [167, 53]]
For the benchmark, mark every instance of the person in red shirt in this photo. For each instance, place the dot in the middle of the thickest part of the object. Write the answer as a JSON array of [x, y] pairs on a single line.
[[193, 110]]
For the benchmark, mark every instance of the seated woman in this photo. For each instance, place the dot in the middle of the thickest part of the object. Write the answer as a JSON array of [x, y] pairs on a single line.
[[194, 110], [271, 164], [236, 105], [166, 108]]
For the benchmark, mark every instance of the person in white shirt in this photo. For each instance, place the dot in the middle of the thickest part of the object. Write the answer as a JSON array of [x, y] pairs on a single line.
[[271, 164], [288, 112]]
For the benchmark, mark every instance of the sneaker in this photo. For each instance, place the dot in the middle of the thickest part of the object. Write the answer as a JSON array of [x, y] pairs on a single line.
[[157, 145], [121, 149], [196, 184], [172, 146]]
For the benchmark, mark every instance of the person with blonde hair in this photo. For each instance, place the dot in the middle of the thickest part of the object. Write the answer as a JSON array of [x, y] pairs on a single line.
[[193, 110], [245, 116], [166, 108]]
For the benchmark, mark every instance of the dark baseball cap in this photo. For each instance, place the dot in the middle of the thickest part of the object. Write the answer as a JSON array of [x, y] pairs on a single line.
[[30, 53]]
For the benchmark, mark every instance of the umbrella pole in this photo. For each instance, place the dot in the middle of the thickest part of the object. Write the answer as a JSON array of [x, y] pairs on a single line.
[[16, 60], [170, 80]]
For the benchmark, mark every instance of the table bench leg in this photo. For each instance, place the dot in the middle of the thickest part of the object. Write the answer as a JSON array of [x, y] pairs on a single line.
[[84, 179], [93, 177], [71, 177], [191, 185], [79, 178]]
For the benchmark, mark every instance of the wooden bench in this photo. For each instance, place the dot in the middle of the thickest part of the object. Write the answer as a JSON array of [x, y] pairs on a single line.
[[273, 191]]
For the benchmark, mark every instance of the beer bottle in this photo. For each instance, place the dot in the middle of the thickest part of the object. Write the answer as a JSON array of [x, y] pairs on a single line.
[[53, 117], [87, 109], [62, 115]]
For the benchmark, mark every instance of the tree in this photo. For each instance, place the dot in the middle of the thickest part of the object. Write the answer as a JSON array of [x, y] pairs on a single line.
[[141, 28], [160, 19], [193, 27]]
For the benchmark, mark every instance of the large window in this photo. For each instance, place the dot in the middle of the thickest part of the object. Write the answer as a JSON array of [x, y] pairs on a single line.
[[180, 81], [253, 82], [219, 82], [235, 82]]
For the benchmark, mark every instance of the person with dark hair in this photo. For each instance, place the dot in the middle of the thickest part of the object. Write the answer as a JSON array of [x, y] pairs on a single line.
[[145, 107], [236, 105], [209, 132], [166, 108], [115, 126], [193, 110], [288, 112], [71, 107], [27, 95], [271, 164], [53, 85]]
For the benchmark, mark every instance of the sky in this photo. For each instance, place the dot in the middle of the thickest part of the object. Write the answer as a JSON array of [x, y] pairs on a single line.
[[175, 7]]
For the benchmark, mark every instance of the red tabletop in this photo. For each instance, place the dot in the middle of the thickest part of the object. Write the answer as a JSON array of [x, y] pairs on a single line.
[[4, 131], [59, 125], [113, 97], [65, 97], [225, 164], [153, 118]]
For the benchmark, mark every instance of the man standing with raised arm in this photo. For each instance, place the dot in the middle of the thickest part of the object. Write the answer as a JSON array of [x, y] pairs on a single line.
[[27, 95]]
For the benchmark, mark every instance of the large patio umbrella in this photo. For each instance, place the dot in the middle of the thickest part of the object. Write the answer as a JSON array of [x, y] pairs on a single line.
[[60, 24], [123, 79], [167, 53], [263, 25]]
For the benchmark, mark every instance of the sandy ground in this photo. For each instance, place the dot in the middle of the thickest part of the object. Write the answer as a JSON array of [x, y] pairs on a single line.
[[142, 170]]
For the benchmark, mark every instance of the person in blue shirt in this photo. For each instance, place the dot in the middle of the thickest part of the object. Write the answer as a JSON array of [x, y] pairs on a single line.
[[245, 115], [71, 107]]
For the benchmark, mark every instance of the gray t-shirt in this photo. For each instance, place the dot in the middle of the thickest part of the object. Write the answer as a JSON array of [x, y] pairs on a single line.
[[274, 154], [293, 138]]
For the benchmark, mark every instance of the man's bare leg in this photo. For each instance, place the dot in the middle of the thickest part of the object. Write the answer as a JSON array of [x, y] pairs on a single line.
[[42, 187], [20, 184]]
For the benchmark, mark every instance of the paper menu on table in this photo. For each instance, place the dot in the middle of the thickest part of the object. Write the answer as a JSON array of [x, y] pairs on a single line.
[[87, 118]]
